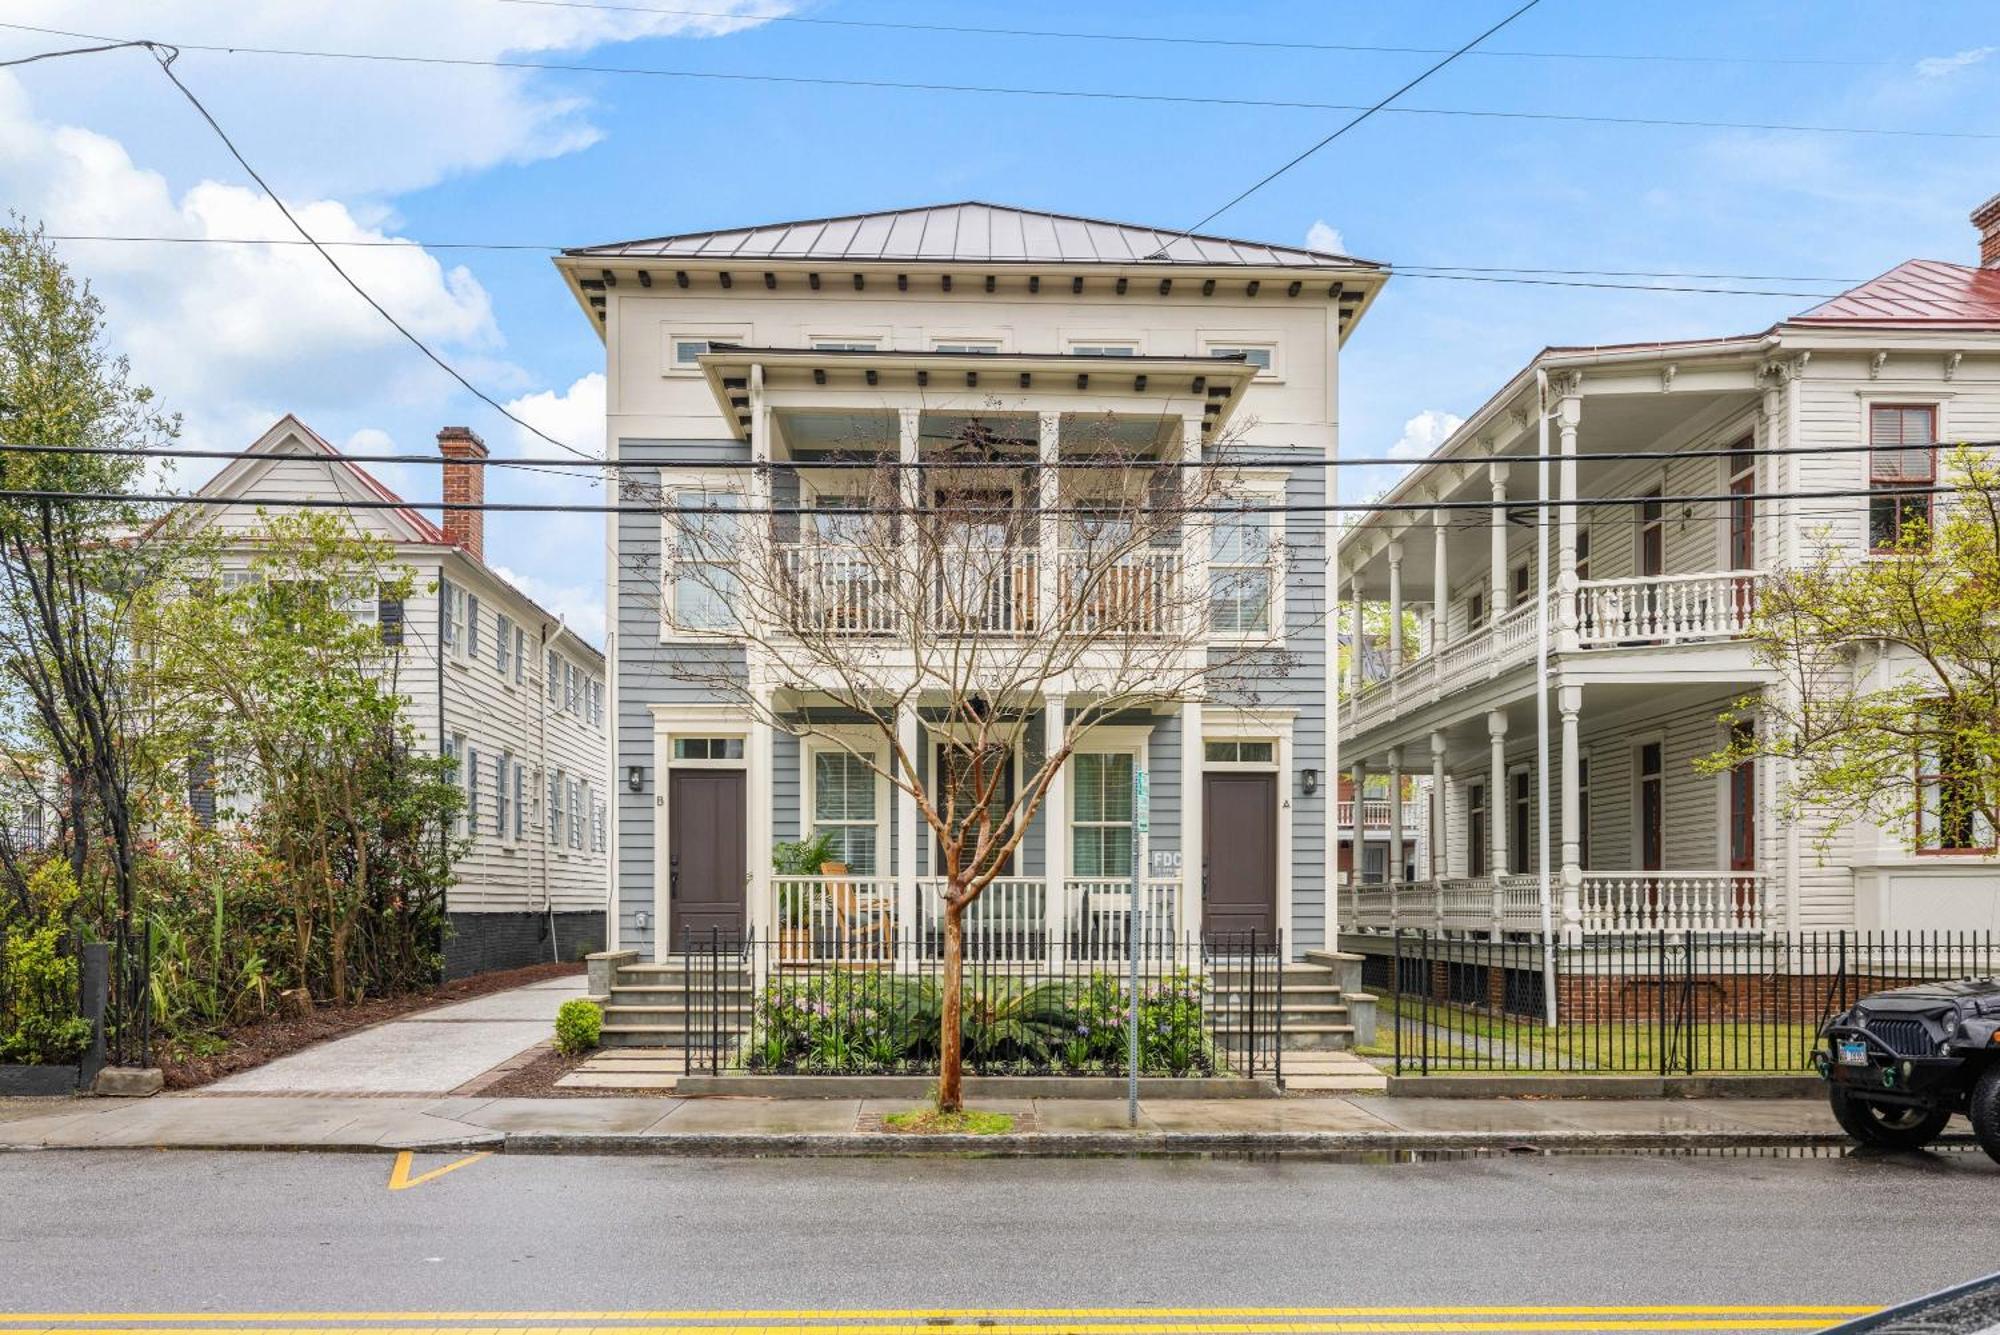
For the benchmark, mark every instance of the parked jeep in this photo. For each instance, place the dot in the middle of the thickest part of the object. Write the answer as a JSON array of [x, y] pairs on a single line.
[[1900, 1063]]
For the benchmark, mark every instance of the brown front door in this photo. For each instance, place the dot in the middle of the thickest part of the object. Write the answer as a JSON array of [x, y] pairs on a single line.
[[1239, 849], [705, 866]]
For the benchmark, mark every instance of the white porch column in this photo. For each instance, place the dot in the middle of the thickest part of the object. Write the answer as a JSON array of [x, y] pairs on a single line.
[[1055, 830], [1440, 579], [1196, 530], [1568, 409], [1435, 844], [1569, 700], [1395, 813], [1049, 531], [1496, 601], [1496, 790], [1194, 853], [1358, 839], [1356, 640], [1395, 607], [908, 833], [1497, 812], [758, 783]]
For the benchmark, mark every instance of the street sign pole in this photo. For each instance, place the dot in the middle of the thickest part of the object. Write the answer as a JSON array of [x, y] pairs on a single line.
[[1141, 823]]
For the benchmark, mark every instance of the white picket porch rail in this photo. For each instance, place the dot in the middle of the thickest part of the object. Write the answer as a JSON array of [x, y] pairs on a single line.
[[1613, 903], [1667, 609]]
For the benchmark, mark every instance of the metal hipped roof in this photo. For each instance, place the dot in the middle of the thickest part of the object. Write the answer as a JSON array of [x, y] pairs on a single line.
[[1916, 294], [972, 232]]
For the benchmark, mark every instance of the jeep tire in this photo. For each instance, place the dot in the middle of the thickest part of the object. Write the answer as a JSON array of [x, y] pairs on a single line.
[[1896, 1126], [1984, 1107]]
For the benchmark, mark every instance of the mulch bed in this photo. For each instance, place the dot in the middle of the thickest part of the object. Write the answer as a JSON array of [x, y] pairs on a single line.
[[265, 1040]]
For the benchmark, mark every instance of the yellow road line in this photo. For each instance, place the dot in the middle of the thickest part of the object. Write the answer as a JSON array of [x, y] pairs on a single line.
[[399, 1173], [1379, 1324], [823, 1314]]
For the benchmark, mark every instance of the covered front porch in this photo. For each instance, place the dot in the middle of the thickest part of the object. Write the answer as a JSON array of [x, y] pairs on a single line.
[[734, 791], [1640, 837]]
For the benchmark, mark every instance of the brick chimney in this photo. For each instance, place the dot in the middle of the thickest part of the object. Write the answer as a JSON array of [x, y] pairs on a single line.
[[1987, 219], [464, 484]]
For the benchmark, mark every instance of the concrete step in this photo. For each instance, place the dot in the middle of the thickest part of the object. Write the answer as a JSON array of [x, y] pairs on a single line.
[[727, 998]]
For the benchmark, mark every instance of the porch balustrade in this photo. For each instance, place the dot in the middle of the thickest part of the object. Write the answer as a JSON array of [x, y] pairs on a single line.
[[1136, 593], [836, 588], [1614, 903], [1375, 814], [1611, 613]]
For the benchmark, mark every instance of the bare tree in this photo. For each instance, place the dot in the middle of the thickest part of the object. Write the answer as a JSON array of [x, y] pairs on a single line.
[[963, 592]]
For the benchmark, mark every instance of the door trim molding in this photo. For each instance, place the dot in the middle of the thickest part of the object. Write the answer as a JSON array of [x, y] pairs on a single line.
[[1223, 723], [670, 721]]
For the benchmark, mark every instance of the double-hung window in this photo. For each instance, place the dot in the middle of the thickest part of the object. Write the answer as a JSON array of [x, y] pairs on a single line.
[[520, 656], [597, 703], [503, 644], [1952, 780], [454, 755], [577, 794], [1902, 466], [557, 781], [844, 806], [451, 615], [471, 626], [555, 678], [520, 781], [1101, 814], [1239, 573], [570, 687], [706, 528]]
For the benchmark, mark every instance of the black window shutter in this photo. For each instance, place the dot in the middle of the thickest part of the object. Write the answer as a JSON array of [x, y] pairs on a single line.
[[389, 615]]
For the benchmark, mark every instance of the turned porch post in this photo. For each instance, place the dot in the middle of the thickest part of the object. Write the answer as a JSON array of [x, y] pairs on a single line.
[[1496, 599], [1568, 409], [1569, 701]]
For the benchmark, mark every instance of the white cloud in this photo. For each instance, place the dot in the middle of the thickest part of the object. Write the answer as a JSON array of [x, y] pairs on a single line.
[[1943, 67], [348, 127], [1323, 236], [1424, 433], [575, 417]]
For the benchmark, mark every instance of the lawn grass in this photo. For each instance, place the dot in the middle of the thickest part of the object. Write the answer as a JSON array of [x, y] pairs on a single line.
[[1481, 1040], [966, 1122]]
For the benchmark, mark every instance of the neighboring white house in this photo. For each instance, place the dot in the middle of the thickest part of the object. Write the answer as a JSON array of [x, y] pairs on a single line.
[[777, 343], [493, 680], [1647, 618]]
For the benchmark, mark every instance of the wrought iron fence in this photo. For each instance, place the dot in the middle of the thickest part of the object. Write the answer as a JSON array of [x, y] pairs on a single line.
[[1207, 1006], [53, 1001], [1662, 1003]]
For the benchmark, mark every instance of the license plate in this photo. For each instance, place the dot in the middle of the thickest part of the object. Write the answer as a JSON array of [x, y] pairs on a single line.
[[1853, 1052]]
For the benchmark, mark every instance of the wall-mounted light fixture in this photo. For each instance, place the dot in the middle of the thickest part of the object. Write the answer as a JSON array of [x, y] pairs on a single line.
[[635, 778], [1309, 781]]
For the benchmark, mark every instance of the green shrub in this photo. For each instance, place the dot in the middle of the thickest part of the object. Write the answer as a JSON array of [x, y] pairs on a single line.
[[39, 1024], [579, 1025]]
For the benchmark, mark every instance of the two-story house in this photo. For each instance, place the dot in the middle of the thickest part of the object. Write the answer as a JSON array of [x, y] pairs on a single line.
[[773, 346], [493, 680], [1640, 617]]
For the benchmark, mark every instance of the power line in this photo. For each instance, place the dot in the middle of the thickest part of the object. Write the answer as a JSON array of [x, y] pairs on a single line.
[[71, 51], [1450, 272], [1223, 464], [1170, 40], [998, 90], [1082, 511], [1356, 120]]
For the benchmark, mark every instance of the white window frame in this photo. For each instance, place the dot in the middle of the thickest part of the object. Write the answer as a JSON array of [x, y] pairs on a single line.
[[700, 484], [578, 788], [672, 337], [521, 800], [503, 646], [451, 604], [503, 796], [867, 743], [468, 777], [454, 751], [552, 663], [876, 337], [1073, 340], [996, 341], [1255, 489], [558, 781], [1215, 342], [520, 655]]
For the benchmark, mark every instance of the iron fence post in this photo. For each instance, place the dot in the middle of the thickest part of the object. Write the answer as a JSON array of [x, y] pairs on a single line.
[[1278, 1016]]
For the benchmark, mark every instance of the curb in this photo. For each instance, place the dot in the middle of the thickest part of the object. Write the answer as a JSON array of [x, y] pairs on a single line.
[[1049, 1144]]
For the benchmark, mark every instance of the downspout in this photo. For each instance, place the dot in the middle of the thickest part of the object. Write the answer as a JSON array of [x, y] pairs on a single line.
[[548, 786], [1542, 692], [444, 734]]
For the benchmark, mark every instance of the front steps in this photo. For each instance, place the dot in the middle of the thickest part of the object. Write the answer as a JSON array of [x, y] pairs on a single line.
[[649, 1005], [1320, 1012]]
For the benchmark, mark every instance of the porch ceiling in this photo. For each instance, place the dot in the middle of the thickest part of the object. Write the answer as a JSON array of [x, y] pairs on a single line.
[[1610, 423]]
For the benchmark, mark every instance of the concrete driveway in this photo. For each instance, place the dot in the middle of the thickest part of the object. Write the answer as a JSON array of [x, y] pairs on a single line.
[[427, 1052]]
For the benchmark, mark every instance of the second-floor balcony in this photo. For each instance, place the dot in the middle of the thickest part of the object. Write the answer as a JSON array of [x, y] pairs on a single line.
[[860, 591], [1638, 613]]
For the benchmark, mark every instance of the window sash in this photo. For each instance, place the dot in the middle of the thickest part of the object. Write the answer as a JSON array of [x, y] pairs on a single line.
[[1101, 835]]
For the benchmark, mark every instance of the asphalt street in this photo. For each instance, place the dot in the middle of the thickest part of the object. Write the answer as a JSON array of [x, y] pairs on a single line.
[[185, 1232]]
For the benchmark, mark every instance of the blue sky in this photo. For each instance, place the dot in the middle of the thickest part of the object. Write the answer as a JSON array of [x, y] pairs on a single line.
[[233, 336]]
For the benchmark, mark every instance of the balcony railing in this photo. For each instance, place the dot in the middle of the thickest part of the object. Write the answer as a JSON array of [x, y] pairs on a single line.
[[1637, 613], [1134, 593], [1613, 903], [1375, 814], [1666, 609]]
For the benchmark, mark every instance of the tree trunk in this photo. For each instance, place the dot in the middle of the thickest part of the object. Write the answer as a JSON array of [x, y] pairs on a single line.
[[951, 1021]]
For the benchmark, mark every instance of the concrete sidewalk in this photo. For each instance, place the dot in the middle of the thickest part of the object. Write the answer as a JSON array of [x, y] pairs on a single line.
[[853, 1126], [426, 1052]]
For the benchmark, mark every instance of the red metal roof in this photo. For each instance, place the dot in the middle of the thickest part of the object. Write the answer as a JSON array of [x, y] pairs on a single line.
[[1916, 294]]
